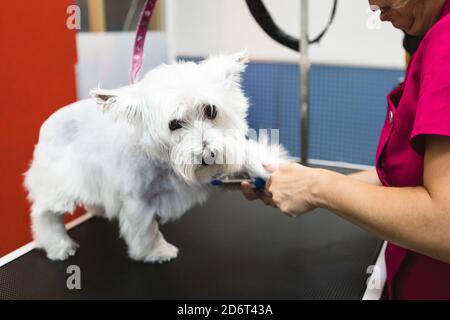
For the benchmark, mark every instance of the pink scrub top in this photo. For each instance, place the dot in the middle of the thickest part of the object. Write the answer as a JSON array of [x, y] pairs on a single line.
[[417, 108]]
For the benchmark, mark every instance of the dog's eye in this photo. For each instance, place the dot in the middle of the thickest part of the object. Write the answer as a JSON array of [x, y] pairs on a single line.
[[210, 111], [175, 124]]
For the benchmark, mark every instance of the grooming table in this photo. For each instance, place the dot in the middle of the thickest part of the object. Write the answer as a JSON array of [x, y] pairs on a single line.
[[229, 249]]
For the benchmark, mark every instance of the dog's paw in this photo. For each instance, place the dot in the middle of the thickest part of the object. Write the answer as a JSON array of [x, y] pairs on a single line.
[[165, 252], [61, 250]]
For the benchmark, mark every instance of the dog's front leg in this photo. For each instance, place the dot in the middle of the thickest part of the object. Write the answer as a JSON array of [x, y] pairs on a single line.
[[140, 230]]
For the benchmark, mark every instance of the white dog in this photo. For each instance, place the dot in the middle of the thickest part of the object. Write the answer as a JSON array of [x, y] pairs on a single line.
[[144, 154]]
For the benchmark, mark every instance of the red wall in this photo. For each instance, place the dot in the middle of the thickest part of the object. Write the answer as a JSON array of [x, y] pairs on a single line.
[[37, 76]]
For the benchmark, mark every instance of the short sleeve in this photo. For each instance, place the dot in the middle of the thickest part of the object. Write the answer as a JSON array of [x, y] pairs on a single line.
[[433, 109]]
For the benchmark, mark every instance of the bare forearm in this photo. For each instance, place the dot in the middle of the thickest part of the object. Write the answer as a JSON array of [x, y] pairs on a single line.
[[370, 176], [406, 216]]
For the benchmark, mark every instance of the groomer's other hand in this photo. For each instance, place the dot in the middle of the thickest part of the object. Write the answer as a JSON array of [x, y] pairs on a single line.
[[293, 187]]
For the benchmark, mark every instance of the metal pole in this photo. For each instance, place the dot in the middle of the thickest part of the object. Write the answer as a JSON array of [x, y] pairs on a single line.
[[304, 81]]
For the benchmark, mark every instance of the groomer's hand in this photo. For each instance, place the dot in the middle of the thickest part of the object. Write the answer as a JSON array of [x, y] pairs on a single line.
[[292, 188], [252, 194]]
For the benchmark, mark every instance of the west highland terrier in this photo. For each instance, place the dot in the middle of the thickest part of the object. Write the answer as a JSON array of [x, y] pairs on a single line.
[[144, 154]]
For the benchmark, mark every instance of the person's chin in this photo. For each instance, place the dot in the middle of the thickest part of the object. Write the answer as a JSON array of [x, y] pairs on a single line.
[[398, 25]]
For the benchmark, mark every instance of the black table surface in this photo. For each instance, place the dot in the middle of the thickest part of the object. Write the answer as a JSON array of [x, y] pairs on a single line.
[[229, 249]]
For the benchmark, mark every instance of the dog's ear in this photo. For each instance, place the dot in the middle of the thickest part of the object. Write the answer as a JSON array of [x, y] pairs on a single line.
[[240, 61], [121, 104], [232, 65]]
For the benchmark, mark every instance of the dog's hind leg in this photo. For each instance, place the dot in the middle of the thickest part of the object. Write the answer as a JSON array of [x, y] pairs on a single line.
[[50, 234], [140, 230]]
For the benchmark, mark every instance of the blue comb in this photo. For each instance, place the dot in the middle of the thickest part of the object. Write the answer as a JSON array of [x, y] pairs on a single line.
[[259, 183], [225, 181]]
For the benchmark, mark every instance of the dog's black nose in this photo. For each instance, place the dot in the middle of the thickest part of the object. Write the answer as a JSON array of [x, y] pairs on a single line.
[[209, 157]]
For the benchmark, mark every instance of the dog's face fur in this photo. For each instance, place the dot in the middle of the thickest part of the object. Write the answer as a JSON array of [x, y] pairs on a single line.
[[192, 116]]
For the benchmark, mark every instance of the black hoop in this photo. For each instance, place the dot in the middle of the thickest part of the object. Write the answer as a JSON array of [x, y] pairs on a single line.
[[265, 21]]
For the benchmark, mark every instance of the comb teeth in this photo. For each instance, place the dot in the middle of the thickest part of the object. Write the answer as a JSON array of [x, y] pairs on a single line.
[[234, 181]]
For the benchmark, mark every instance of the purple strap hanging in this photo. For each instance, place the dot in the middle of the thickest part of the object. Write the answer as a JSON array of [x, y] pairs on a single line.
[[139, 38]]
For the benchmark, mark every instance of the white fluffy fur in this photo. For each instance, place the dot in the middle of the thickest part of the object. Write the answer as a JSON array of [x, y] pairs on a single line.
[[115, 155]]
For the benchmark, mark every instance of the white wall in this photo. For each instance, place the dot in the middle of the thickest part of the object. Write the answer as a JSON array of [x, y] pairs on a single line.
[[202, 27], [105, 58]]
